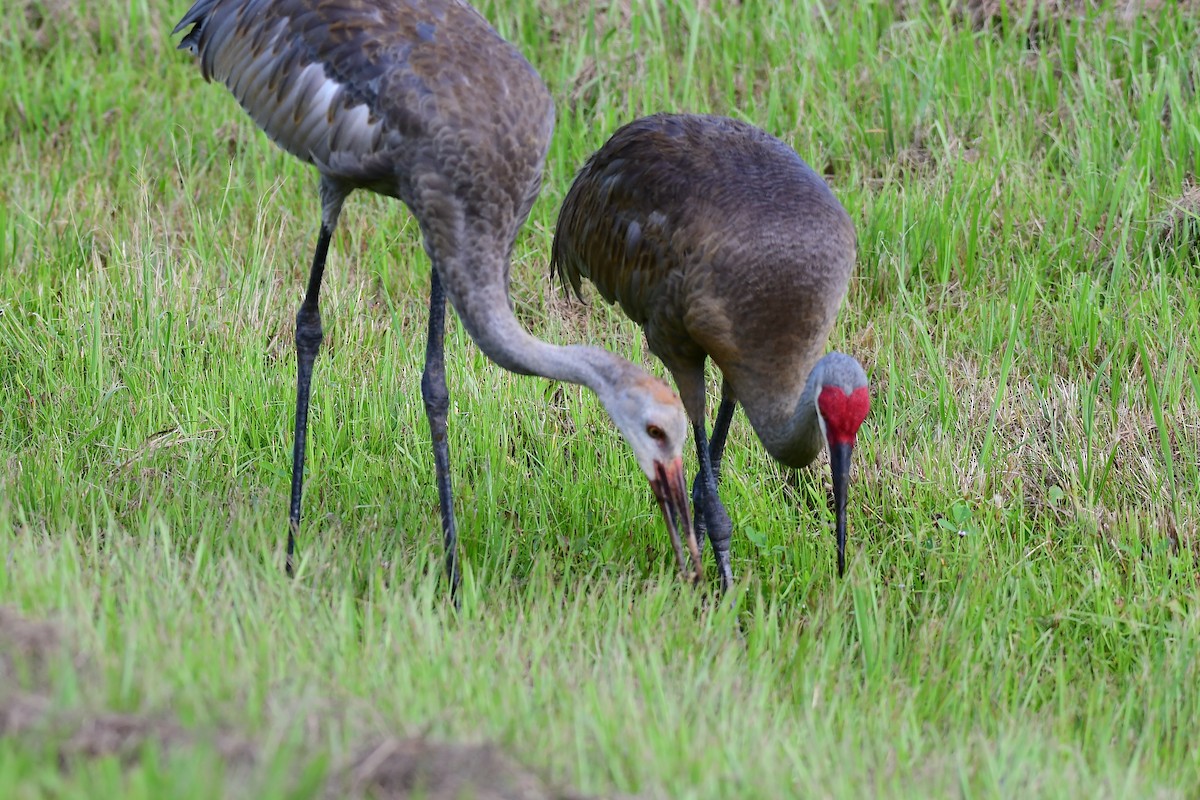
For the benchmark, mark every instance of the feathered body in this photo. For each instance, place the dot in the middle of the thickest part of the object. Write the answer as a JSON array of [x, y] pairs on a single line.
[[693, 225], [720, 242], [422, 100]]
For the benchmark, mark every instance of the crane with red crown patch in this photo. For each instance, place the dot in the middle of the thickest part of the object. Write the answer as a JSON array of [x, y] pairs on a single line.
[[722, 243]]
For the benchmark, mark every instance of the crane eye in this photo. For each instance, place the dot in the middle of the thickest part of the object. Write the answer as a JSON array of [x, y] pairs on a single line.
[[656, 433]]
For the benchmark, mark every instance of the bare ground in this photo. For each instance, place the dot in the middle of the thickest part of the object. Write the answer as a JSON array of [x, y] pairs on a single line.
[[390, 768]]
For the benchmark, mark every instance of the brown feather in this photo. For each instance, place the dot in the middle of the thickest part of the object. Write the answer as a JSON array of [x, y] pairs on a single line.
[[423, 101], [719, 241], [373, 92]]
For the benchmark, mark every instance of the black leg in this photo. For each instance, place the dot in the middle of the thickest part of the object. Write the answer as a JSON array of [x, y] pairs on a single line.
[[716, 446], [308, 342], [716, 449], [716, 518], [437, 404]]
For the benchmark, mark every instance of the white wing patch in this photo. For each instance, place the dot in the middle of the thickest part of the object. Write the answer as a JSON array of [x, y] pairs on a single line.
[[297, 104]]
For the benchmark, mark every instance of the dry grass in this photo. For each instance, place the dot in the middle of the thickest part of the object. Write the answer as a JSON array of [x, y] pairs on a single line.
[[992, 13], [1179, 228]]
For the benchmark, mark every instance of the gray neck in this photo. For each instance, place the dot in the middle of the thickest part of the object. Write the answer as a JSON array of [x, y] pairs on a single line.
[[790, 431], [486, 314]]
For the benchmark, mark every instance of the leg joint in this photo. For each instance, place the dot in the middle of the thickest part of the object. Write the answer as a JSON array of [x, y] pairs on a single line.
[[434, 393], [308, 330]]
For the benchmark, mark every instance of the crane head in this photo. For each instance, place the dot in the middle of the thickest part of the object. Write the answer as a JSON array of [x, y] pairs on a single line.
[[843, 399], [650, 416]]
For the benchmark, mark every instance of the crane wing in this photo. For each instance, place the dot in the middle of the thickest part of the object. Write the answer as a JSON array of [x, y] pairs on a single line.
[[341, 83], [620, 222]]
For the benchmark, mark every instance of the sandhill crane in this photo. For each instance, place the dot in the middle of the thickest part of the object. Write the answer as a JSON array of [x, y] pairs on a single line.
[[720, 242], [422, 101]]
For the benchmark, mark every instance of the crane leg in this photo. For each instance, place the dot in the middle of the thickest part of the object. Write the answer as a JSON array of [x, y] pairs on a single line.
[[716, 449], [716, 446], [437, 405], [308, 342], [716, 518]]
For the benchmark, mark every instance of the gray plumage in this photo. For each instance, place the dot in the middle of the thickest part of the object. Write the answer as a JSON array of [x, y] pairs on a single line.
[[722, 243], [421, 100]]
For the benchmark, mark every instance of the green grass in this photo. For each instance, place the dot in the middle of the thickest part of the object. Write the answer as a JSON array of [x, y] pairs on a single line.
[[1020, 614]]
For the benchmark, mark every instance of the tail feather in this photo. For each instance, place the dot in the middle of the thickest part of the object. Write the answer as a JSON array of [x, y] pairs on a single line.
[[196, 16], [568, 278]]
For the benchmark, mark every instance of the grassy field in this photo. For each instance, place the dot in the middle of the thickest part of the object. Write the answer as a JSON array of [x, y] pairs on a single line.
[[1019, 616]]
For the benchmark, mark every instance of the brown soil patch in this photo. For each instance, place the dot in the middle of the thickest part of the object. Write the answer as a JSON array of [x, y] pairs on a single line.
[[21, 713], [75, 734], [389, 769], [25, 644], [392, 769], [397, 768]]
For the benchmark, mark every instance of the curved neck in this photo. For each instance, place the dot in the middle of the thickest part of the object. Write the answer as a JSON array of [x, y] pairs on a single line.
[[786, 424], [505, 341], [482, 303]]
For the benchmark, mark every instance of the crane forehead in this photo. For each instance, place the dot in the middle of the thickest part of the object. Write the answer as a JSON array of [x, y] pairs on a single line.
[[659, 391], [844, 412]]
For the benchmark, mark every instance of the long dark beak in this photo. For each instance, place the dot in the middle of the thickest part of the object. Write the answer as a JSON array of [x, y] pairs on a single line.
[[670, 487], [839, 463]]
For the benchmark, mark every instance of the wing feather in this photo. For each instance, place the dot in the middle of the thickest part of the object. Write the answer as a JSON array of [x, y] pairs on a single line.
[[376, 93], [308, 73]]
